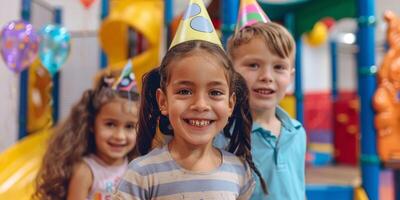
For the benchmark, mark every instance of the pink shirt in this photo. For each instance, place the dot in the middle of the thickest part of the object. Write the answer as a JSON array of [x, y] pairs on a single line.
[[105, 177]]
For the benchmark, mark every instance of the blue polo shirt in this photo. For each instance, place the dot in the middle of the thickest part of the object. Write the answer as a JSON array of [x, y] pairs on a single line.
[[280, 160]]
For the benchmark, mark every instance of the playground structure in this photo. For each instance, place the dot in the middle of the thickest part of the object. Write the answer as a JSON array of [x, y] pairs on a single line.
[[126, 21]]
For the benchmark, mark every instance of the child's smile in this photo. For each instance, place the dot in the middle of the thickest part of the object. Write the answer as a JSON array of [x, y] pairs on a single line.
[[197, 100], [264, 92], [115, 132], [199, 122], [267, 75]]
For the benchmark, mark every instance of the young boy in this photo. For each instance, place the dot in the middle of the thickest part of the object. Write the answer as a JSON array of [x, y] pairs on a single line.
[[263, 53]]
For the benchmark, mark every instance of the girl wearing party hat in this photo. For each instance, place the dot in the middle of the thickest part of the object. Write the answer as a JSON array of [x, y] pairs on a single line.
[[192, 96], [263, 53], [89, 152]]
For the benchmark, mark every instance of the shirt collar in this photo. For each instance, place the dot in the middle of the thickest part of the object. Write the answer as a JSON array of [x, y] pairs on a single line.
[[285, 119]]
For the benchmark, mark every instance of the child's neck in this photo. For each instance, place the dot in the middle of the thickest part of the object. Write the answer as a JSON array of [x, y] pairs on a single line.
[[195, 158], [109, 162], [268, 120]]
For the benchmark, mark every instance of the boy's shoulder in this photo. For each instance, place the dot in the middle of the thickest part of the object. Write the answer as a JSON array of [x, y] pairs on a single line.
[[287, 120], [296, 124]]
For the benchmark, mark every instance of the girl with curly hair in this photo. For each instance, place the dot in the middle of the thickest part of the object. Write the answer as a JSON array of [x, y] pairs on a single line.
[[88, 152]]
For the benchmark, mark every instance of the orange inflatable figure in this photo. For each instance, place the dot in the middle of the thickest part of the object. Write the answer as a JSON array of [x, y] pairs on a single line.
[[387, 96]]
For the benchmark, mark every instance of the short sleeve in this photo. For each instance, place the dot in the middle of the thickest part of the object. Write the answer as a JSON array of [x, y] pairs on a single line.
[[133, 185], [248, 184]]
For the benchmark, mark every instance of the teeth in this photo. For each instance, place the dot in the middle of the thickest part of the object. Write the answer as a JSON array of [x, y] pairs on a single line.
[[264, 91], [199, 123]]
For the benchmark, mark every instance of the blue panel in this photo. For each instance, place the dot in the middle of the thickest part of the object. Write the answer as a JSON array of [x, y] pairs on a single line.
[[328, 192]]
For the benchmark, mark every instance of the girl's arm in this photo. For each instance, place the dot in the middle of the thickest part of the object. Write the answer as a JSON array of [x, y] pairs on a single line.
[[80, 183]]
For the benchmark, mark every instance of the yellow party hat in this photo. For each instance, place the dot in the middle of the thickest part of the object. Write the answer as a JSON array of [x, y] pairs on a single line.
[[196, 25]]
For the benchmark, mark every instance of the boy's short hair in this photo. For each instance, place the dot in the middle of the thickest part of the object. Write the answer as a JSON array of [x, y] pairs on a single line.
[[276, 38]]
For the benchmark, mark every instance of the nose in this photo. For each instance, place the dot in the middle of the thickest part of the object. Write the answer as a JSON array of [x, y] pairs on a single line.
[[266, 74], [200, 103], [119, 134]]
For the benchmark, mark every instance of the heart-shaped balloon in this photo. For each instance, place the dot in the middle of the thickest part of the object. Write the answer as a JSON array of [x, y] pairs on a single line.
[[55, 45], [19, 45], [87, 3]]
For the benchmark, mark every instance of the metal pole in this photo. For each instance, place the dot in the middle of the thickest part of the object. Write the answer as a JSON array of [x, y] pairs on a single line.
[[366, 88], [298, 89], [23, 81], [228, 14], [333, 46], [168, 15], [56, 77], [105, 4]]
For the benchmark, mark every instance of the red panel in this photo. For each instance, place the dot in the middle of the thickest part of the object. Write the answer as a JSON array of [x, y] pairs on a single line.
[[346, 128], [318, 111]]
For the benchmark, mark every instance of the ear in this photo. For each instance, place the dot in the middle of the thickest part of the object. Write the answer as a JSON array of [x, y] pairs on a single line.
[[292, 70], [162, 101], [232, 103]]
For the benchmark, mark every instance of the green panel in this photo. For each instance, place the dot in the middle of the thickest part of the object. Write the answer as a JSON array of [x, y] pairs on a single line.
[[277, 12], [307, 13]]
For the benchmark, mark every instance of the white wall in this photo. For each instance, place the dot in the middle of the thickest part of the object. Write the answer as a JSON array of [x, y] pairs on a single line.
[[315, 68], [75, 16], [9, 84]]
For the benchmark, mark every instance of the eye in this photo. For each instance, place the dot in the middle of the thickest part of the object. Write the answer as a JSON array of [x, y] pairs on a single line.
[[110, 124], [253, 65], [280, 67], [130, 126], [184, 92], [216, 93]]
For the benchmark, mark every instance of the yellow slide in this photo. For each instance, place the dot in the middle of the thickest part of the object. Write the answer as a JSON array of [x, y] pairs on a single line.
[[19, 165]]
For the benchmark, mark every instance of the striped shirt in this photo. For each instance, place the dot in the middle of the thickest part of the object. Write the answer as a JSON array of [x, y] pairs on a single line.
[[157, 176]]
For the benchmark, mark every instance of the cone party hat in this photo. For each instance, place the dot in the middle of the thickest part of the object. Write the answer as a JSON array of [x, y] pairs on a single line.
[[196, 25], [250, 13], [126, 82]]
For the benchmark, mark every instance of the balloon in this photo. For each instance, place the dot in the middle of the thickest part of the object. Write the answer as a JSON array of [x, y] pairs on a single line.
[[318, 34], [329, 22], [87, 3], [19, 45], [54, 47]]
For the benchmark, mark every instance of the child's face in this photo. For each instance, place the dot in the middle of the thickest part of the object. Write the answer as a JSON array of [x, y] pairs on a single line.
[[266, 74], [197, 100], [114, 129]]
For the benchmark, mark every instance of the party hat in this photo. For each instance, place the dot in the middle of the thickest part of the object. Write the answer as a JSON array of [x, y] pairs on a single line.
[[250, 13], [196, 25], [126, 82]]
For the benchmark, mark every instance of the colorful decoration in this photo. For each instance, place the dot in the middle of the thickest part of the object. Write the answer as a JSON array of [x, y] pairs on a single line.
[[54, 47], [19, 45], [386, 100], [318, 35], [250, 13], [329, 22], [196, 25], [127, 81], [87, 3]]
